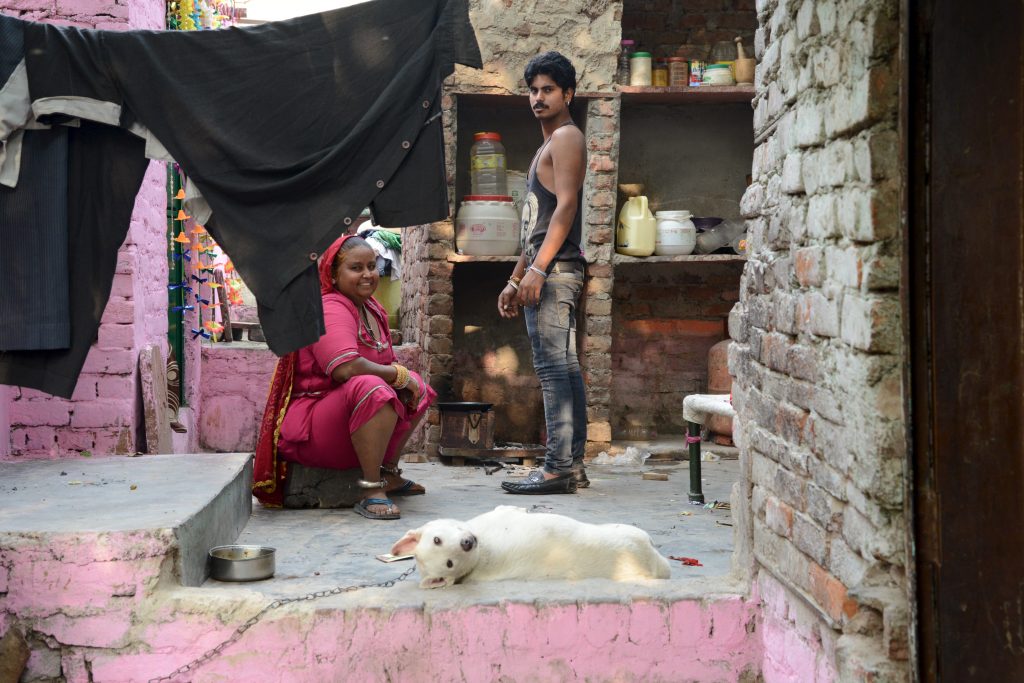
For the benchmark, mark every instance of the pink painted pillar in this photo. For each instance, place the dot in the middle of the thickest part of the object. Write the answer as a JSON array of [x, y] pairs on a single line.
[[101, 416]]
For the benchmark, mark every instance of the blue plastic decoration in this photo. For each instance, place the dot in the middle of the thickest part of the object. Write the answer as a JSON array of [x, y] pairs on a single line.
[[201, 333], [187, 307]]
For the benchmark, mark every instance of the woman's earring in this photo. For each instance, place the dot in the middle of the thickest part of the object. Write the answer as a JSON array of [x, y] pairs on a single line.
[[333, 281]]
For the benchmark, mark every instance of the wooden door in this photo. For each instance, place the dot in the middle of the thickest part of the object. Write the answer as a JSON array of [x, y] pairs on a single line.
[[965, 104]]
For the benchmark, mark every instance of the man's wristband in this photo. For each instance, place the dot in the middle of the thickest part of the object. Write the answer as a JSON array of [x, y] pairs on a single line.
[[538, 271], [514, 284]]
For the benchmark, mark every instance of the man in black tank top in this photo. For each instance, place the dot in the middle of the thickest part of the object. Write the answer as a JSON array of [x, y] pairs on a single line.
[[548, 279]]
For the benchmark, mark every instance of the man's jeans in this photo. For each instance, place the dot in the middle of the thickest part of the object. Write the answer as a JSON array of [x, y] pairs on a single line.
[[551, 325]]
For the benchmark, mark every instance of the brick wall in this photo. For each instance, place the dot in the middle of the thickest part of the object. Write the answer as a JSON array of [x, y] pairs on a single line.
[[665, 319], [818, 352], [510, 32], [103, 415], [695, 29]]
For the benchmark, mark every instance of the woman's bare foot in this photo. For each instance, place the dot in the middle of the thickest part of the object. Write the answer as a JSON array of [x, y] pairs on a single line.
[[381, 506]]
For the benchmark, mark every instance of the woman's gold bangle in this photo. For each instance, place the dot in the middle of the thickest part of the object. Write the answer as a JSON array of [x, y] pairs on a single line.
[[401, 376]]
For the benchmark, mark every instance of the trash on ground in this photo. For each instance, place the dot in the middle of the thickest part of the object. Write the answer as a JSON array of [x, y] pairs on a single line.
[[717, 505], [708, 456], [388, 557], [655, 476], [688, 561], [632, 456], [687, 513]]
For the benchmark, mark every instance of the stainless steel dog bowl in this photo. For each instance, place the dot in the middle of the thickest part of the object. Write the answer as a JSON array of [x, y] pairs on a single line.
[[241, 562]]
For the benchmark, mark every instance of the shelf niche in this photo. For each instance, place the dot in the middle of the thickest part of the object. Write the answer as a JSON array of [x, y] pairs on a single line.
[[696, 158], [510, 116]]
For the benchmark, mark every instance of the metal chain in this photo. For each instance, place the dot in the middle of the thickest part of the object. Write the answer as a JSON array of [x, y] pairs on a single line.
[[213, 652]]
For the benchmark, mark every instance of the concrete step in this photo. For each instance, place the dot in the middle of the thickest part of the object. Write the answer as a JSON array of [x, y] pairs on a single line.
[[173, 506]]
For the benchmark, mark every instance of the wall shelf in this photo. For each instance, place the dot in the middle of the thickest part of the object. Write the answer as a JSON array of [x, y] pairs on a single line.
[[692, 258], [711, 94]]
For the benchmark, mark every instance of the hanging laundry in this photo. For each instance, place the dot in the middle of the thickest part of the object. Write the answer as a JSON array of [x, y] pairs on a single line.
[[351, 137], [349, 104], [389, 251]]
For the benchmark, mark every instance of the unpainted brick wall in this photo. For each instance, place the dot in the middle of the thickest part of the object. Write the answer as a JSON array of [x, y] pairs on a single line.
[[818, 350], [665, 319], [694, 29], [103, 415]]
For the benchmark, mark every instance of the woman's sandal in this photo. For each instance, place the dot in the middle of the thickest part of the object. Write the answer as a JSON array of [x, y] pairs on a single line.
[[407, 488], [362, 507]]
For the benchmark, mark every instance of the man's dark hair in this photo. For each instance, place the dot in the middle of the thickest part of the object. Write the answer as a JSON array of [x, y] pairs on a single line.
[[554, 65]]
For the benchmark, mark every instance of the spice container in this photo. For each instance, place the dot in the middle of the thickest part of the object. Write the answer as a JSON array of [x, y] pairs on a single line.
[[659, 75], [640, 69], [625, 53], [678, 72]]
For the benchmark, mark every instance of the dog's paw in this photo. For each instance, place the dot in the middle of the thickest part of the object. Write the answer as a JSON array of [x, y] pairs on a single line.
[[434, 582]]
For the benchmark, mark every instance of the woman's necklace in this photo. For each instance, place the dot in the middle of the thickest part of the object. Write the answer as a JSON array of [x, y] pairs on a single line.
[[378, 344]]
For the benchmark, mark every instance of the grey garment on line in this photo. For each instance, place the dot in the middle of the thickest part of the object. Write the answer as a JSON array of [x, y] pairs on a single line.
[[35, 307]]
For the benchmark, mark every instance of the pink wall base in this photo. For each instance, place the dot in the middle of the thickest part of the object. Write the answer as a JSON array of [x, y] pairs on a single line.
[[107, 603], [798, 648], [642, 641]]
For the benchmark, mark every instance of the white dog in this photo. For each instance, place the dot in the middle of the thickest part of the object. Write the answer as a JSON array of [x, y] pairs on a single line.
[[509, 543]]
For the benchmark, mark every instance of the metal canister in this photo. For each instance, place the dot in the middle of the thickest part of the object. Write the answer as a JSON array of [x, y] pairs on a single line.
[[659, 75]]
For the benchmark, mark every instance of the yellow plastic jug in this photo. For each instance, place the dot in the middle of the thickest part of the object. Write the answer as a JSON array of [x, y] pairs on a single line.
[[637, 229]]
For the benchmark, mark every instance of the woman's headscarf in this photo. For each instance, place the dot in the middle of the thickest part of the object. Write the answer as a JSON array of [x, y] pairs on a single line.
[[268, 471]]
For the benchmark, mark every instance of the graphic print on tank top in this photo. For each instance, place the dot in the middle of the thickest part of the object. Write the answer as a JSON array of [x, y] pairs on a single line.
[[529, 218]]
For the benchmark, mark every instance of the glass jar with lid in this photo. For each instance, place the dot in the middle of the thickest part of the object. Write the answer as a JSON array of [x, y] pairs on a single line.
[[678, 72], [640, 69], [659, 74]]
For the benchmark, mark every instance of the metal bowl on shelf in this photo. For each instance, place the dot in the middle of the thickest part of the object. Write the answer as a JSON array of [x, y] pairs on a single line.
[[242, 562]]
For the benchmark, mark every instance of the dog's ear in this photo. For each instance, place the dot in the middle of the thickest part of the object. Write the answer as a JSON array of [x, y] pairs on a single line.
[[406, 544]]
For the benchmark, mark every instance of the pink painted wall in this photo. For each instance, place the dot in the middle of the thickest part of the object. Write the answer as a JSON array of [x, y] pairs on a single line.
[[108, 612], [796, 647], [5, 422], [103, 415], [235, 380]]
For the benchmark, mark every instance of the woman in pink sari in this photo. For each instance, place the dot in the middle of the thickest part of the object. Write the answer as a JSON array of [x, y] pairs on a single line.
[[343, 402]]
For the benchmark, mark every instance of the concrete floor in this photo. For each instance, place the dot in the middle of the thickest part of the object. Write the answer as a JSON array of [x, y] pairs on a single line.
[[321, 549]]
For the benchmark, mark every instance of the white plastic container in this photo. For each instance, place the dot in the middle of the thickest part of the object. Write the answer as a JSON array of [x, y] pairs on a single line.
[[637, 228], [487, 225], [718, 74], [676, 236], [640, 69]]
